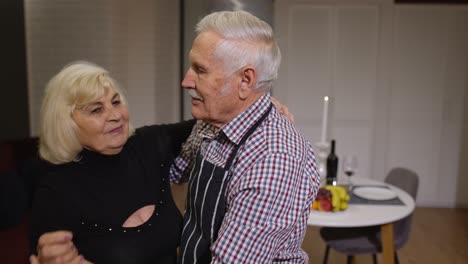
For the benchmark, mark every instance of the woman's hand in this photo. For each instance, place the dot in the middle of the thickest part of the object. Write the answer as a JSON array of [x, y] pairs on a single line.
[[283, 109], [56, 247]]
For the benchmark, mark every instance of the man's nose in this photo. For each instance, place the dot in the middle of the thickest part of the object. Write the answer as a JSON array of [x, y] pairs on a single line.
[[188, 82]]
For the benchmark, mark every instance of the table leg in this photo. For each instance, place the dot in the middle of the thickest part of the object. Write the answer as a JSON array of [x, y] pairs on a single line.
[[388, 250]]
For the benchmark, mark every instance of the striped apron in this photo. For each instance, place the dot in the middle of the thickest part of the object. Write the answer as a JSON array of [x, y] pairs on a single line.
[[205, 205]]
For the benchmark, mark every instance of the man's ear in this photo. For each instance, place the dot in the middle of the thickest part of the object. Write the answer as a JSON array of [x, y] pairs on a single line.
[[248, 79]]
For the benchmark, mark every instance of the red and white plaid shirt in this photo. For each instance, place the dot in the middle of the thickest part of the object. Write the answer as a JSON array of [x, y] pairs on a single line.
[[273, 183]]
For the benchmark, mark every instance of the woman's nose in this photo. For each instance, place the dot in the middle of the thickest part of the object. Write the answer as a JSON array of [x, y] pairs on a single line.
[[115, 115]]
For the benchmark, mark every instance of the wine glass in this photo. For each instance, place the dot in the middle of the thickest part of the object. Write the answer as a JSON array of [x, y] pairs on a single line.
[[350, 165]]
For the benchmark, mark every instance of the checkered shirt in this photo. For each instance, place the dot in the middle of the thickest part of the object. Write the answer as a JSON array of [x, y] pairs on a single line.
[[273, 183]]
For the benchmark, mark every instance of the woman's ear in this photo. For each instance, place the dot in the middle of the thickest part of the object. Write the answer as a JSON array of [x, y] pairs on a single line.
[[248, 79]]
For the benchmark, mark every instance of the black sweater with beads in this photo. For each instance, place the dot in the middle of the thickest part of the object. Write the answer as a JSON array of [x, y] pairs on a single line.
[[94, 197]]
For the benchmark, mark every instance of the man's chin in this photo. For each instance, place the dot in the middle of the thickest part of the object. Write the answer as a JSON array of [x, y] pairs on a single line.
[[196, 113], [196, 116]]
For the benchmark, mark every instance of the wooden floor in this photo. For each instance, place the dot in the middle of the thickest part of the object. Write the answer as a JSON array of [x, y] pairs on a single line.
[[437, 236]]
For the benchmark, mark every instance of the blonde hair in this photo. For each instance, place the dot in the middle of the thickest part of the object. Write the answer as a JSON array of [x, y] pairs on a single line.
[[77, 84]]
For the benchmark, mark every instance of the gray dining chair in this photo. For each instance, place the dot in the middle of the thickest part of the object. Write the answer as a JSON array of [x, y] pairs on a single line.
[[366, 240]]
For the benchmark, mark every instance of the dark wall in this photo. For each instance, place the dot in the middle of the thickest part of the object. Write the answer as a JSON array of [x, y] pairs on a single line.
[[14, 115]]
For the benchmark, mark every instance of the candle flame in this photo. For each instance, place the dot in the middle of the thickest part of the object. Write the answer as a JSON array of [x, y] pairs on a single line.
[[326, 98]]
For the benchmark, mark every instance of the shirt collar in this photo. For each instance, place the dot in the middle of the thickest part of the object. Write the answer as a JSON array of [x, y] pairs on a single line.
[[238, 127], [206, 130]]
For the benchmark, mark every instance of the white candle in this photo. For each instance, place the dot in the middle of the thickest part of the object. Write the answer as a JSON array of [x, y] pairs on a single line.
[[324, 119]]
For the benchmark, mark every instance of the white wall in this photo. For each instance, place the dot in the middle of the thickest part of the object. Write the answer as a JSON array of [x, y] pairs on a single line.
[[138, 42], [397, 75], [427, 97]]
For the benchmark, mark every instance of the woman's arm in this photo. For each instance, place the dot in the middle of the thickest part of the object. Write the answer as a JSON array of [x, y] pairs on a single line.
[[167, 139], [166, 142], [179, 132], [56, 247], [50, 213]]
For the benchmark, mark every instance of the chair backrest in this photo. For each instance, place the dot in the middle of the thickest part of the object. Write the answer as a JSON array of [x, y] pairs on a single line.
[[404, 179], [408, 181], [16, 157]]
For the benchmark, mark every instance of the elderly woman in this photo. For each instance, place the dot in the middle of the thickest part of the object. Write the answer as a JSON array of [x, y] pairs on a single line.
[[107, 184]]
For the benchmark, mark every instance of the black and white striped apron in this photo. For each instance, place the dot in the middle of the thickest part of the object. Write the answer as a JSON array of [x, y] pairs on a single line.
[[206, 204]]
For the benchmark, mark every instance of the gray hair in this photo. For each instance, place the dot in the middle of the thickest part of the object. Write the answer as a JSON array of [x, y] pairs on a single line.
[[247, 40]]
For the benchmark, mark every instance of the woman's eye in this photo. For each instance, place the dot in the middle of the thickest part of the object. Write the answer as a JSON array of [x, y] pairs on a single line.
[[117, 102], [96, 110]]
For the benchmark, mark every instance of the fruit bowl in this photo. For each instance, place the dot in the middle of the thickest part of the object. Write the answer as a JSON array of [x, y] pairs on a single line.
[[331, 198]]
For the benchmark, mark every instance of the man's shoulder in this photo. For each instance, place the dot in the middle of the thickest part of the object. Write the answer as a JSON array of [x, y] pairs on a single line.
[[282, 136]]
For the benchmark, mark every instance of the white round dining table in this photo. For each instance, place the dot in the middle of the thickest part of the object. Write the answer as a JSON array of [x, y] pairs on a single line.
[[365, 214], [359, 215]]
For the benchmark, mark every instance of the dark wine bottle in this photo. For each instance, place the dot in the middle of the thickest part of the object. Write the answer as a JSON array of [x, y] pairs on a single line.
[[332, 166]]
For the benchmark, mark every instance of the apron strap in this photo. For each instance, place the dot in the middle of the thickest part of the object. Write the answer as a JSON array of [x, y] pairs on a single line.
[[246, 136]]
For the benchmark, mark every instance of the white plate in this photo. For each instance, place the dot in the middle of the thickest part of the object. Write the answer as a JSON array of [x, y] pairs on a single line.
[[374, 193]]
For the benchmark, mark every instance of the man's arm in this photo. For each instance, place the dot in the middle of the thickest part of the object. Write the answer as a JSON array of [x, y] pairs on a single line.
[[183, 162], [268, 207]]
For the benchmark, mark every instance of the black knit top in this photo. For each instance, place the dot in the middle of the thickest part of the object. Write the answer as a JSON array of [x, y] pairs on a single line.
[[95, 196]]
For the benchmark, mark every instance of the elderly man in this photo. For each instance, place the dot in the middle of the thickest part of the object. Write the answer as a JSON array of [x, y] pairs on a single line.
[[252, 176]]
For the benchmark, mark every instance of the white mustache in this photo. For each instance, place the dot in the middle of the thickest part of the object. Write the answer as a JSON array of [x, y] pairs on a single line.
[[194, 94]]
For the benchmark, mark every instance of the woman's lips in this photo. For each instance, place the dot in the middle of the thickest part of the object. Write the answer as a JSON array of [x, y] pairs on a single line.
[[116, 130]]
